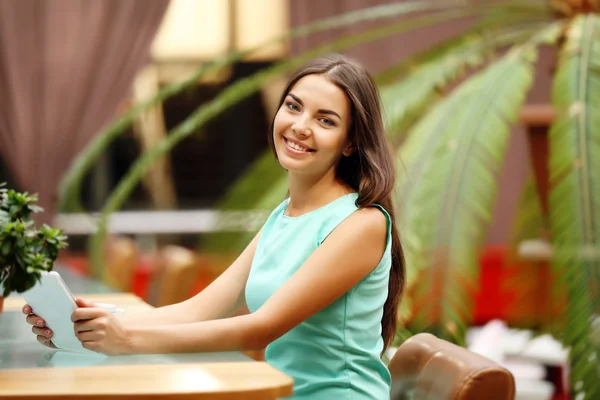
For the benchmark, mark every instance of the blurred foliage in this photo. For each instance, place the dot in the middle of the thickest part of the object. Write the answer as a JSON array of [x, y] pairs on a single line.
[[574, 200], [25, 251]]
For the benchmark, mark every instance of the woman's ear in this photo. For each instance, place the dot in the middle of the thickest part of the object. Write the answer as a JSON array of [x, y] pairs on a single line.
[[349, 150]]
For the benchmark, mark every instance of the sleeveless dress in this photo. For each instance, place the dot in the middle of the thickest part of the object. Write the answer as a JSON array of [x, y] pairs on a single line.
[[336, 353]]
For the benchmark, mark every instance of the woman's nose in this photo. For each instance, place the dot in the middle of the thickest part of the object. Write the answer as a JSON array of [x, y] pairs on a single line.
[[301, 128]]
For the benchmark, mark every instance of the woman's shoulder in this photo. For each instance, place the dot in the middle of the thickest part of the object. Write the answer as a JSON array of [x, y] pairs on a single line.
[[370, 221]]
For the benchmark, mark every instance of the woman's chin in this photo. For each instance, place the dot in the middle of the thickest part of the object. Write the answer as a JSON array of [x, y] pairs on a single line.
[[290, 165]]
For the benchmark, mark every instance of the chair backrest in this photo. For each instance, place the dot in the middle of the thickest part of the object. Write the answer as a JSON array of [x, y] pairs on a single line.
[[429, 368], [178, 273], [121, 259]]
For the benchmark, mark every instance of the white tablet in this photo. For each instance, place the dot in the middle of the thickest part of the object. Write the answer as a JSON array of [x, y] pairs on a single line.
[[51, 299]]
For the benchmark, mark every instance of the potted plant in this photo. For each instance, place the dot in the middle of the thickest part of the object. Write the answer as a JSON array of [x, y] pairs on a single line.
[[25, 250]]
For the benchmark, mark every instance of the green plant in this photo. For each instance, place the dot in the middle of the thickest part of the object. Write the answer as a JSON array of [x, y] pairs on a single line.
[[25, 251], [449, 111]]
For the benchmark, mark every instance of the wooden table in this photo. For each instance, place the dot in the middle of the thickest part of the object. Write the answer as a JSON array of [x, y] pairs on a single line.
[[29, 371]]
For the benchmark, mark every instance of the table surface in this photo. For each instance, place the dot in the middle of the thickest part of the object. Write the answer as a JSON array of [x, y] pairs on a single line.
[[31, 371]]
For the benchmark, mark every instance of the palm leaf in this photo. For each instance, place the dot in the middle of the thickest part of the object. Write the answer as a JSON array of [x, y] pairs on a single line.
[[529, 304], [529, 221], [230, 96], [404, 102], [452, 158], [70, 185], [268, 201], [499, 20], [272, 191], [575, 192]]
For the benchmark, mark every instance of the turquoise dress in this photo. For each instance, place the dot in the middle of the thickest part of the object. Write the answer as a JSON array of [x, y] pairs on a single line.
[[335, 354]]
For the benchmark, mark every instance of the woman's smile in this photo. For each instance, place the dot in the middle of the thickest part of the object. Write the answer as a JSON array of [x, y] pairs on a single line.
[[296, 148]]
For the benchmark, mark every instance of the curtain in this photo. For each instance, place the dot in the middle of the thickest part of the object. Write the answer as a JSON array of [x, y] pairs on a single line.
[[65, 65]]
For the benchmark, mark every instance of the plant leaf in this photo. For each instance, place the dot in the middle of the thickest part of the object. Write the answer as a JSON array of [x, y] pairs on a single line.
[[524, 279], [529, 220], [404, 102], [575, 193], [452, 158], [231, 95]]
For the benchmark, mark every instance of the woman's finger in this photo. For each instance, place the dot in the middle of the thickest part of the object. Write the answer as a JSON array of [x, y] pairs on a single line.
[[82, 314], [46, 342], [27, 309], [91, 345], [90, 325], [89, 336], [45, 332], [33, 319]]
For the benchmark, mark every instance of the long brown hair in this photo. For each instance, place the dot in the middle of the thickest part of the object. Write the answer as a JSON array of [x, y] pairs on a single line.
[[370, 169]]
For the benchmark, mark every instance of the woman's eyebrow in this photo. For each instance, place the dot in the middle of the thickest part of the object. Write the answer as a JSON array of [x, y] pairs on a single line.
[[321, 111]]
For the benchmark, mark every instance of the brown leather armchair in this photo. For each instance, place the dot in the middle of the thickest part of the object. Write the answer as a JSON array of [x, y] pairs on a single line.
[[428, 368]]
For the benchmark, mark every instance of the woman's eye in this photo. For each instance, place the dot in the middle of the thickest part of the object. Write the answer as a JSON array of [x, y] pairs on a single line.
[[327, 122], [292, 106]]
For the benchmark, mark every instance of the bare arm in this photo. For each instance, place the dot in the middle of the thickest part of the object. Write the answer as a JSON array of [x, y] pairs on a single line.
[[358, 244], [221, 299]]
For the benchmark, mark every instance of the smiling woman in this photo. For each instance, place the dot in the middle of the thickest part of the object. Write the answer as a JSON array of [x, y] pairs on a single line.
[[312, 121], [323, 277]]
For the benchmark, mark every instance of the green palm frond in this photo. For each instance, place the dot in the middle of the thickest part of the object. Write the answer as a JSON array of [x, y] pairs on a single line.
[[529, 221], [452, 158], [268, 201], [262, 188], [70, 186], [530, 303], [575, 193], [404, 102], [498, 21], [230, 96], [246, 193]]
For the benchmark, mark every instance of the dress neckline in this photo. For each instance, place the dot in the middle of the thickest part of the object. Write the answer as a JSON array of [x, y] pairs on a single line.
[[316, 209]]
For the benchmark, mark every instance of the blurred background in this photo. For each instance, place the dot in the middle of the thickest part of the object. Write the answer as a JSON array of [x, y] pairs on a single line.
[[142, 125]]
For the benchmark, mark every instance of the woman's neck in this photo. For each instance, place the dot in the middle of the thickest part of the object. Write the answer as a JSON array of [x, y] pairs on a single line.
[[307, 193]]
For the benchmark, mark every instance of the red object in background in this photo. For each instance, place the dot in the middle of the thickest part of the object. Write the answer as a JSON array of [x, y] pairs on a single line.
[[142, 277], [492, 296]]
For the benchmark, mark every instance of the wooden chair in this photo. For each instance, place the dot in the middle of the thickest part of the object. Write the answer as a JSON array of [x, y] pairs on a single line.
[[427, 368], [177, 274], [121, 260]]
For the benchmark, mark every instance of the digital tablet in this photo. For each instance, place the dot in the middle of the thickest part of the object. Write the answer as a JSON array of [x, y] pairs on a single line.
[[51, 299]]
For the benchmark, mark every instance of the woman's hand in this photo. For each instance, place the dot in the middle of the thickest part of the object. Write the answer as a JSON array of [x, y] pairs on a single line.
[[99, 330], [44, 334]]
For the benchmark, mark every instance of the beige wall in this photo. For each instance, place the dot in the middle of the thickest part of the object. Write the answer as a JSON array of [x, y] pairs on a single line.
[[201, 30]]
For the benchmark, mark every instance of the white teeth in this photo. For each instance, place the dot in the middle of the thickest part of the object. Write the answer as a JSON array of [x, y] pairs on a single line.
[[296, 146]]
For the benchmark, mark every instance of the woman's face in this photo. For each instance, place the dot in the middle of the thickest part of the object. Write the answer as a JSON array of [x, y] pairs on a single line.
[[310, 130]]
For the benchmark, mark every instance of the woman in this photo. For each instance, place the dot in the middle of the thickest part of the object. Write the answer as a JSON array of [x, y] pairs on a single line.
[[322, 278]]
